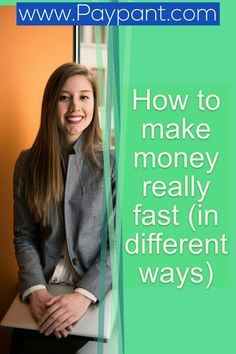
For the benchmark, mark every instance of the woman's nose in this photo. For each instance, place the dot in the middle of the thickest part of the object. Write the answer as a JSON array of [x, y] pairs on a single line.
[[74, 105]]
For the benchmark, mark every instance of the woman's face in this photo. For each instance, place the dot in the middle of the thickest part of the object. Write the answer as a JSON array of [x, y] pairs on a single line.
[[75, 107]]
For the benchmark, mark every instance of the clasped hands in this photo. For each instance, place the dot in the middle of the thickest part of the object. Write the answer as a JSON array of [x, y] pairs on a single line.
[[56, 314]]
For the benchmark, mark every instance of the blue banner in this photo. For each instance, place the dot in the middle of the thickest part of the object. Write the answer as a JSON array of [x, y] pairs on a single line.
[[119, 14]]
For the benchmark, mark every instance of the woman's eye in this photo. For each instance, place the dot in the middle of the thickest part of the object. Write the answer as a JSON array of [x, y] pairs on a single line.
[[84, 97], [64, 98]]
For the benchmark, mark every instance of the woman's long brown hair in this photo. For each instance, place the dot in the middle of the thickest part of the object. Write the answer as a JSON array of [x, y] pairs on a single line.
[[44, 182]]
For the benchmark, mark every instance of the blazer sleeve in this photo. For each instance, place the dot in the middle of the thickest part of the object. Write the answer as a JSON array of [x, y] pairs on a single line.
[[98, 278], [26, 233]]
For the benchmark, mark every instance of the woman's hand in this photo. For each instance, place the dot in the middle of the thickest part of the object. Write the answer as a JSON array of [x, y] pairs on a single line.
[[38, 300], [62, 311], [38, 306]]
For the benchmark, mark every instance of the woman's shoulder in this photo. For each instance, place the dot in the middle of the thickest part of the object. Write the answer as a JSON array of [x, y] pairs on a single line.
[[21, 159], [105, 148], [23, 155]]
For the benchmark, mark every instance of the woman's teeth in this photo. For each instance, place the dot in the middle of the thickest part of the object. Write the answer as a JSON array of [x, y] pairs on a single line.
[[74, 119]]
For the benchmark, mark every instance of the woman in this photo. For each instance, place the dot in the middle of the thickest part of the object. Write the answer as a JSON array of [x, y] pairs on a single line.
[[58, 205]]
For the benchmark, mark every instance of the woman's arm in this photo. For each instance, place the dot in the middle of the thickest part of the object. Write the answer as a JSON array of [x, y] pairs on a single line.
[[27, 249], [26, 234], [98, 278]]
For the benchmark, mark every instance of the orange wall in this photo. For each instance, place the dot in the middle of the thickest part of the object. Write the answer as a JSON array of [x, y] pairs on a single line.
[[28, 56]]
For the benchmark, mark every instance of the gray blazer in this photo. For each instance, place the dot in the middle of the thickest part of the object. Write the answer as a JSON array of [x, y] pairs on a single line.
[[38, 248]]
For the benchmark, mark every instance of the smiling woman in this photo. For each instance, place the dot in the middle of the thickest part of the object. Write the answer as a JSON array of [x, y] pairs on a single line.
[[58, 204], [75, 107]]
